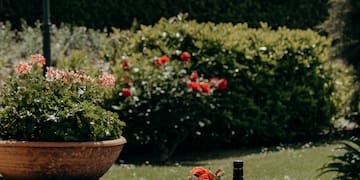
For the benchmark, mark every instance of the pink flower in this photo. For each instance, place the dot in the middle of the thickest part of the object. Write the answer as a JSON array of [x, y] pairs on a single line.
[[90, 79], [78, 77], [38, 59], [107, 80], [74, 76], [185, 56], [51, 73], [23, 68], [55, 74], [64, 78]]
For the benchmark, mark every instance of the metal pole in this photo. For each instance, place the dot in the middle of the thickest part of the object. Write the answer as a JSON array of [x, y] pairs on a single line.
[[238, 170], [46, 33]]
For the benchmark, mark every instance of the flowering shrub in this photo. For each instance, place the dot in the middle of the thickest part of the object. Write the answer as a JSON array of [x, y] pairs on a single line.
[[277, 86], [164, 100], [62, 106], [200, 173]]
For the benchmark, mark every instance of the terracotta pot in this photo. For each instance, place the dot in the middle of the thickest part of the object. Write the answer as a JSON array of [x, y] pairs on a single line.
[[58, 160]]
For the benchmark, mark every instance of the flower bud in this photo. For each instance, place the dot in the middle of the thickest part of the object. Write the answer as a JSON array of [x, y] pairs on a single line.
[[185, 56], [126, 92]]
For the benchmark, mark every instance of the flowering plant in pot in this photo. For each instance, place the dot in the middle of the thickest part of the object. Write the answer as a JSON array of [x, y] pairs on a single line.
[[62, 106]]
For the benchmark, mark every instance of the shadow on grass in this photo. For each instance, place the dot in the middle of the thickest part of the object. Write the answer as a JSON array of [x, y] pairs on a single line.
[[185, 158], [196, 157]]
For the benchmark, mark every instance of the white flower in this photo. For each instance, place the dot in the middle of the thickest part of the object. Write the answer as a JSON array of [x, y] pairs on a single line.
[[52, 118], [136, 70], [263, 48], [81, 90]]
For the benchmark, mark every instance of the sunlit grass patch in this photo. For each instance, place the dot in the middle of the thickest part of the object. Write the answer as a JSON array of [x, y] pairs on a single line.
[[267, 163]]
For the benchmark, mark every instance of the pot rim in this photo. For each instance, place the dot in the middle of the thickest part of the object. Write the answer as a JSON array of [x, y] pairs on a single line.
[[104, 143]]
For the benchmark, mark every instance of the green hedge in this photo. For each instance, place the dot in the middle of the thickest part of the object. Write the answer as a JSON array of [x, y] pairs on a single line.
[[278, 88], [120, 13]]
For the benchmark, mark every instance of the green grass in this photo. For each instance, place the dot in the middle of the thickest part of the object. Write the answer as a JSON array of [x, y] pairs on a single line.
[[281, 163]]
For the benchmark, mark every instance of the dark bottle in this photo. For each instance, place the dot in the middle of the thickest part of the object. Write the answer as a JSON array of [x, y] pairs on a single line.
[[238, 171]]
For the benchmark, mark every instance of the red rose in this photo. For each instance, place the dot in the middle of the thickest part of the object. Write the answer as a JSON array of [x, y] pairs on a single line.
[[194, 75], [195, 86], [223, 84], [164, 59], [204, 87], [125, 65], [126, 92], [185, 56]]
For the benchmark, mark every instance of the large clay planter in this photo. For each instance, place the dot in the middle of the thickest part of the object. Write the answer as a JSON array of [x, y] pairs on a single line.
[[58, 160]]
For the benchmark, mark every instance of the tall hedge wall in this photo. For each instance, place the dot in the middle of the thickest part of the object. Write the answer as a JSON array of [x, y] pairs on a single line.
[[121, 13]]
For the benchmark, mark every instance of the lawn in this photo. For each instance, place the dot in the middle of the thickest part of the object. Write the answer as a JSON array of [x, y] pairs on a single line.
[[286, 163]]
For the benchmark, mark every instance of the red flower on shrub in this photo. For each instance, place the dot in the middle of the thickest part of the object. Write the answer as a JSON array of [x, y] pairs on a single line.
[[194, 75], [205, 87], [164, 59], [195, 86], [223, 84], [185, 56], [126, 92], [219, 83], [126, 65]]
